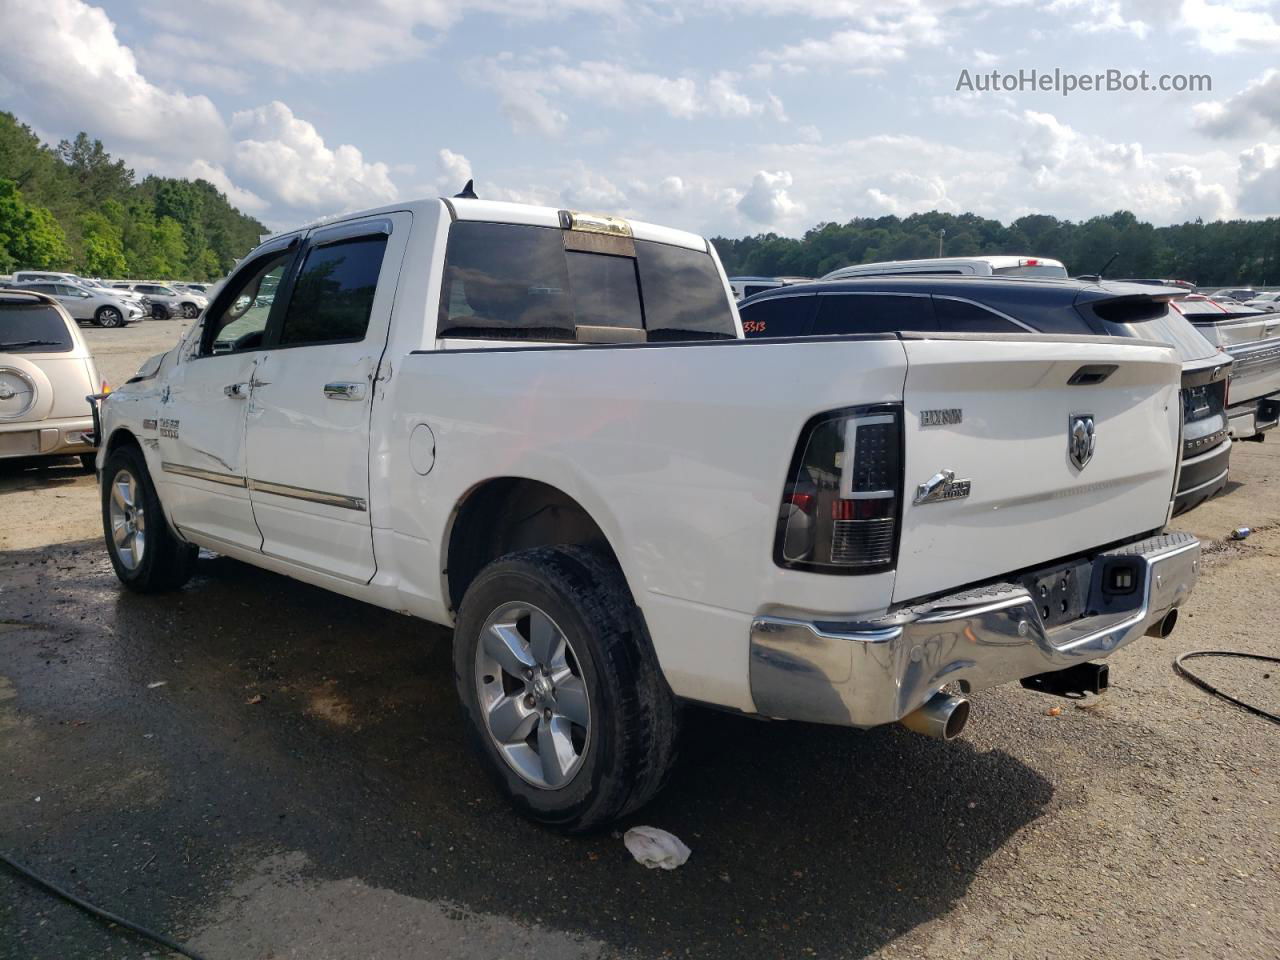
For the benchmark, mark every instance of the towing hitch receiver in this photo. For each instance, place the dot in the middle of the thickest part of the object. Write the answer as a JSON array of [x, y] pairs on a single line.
[[1073, 682]]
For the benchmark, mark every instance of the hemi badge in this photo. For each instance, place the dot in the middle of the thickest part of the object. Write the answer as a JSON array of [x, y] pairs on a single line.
[[942, 486], [941, 418]]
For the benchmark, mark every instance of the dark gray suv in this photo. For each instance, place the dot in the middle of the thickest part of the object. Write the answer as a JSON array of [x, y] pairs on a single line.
[[959, 305]]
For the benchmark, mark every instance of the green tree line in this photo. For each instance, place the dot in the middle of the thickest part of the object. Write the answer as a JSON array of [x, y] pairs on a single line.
[[74, 207], [1221, 253]]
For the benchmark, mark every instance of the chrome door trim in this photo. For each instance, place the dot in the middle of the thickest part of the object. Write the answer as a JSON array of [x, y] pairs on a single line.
[[311, 496], [196, 473], [344, 391]]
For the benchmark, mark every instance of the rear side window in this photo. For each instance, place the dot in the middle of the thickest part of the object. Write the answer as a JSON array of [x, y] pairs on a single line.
[[27, 327], [518, 282], [684, 297], [959, 316], [505, 282], [333, 295], [872, 313], [779, 316]]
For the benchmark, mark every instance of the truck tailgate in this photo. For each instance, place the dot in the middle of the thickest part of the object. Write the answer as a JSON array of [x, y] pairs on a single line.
[[1027, 501]]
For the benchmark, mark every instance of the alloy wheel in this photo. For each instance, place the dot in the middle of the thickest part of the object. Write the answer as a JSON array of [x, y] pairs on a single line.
[[128, 519], [533, 696]]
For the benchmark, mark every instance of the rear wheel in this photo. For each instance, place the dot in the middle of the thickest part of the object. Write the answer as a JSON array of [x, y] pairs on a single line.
[[89, 462], [145, 553], [159, 311], [108, 317], [561, 689]]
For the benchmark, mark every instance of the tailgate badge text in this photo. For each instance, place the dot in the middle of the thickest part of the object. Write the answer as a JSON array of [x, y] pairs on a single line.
[[941, 418]]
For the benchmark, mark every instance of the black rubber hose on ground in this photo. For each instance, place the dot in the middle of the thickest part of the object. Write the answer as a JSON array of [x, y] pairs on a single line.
[[98, 912], [1205, 685]]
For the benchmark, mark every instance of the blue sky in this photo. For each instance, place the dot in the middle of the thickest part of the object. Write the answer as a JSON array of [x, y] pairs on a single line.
[[721, 116]]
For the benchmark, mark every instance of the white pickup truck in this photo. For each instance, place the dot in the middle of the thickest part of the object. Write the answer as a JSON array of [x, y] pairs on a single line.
[[544, 429]]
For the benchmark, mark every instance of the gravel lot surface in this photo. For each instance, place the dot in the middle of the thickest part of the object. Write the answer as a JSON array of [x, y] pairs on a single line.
[[271, 771]]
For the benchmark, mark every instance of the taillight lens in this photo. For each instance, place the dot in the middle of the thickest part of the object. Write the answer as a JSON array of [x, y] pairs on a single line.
[[842, 504]]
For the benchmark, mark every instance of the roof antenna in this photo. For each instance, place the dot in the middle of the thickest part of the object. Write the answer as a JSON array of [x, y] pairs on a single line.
[[468, 192], [1097, 277]]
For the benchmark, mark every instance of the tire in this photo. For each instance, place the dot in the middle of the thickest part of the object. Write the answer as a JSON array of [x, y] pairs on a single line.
[[621, 757], [159, 311], [158, 560], [190, 311], [108, 317], [88, 462]]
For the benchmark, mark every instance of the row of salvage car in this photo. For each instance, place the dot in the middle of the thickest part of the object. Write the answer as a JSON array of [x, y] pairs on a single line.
[[1230, 351]]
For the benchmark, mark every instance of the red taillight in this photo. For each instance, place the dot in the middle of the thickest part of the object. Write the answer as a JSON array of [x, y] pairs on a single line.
[[803, 501], [845, 486]]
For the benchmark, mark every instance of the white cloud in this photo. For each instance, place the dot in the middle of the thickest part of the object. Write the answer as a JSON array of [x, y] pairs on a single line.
[[335, 35], [1231, 26], [1260, 180], [63, 63], [281, 153], [67, 70], [456, 171], [1255, 109], [530, 86], [865, 48], [767, 201]]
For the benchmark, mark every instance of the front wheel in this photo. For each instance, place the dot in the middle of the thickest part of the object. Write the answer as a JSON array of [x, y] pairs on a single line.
[[108, 317], [561, 689], [190, 311], [145, 553]]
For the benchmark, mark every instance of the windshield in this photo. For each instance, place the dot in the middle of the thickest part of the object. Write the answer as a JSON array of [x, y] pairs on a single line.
[[27, 327]]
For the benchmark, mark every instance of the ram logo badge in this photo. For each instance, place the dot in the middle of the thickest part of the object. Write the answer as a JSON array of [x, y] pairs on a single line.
[[943, 485], [941, 418], [1081, 439]]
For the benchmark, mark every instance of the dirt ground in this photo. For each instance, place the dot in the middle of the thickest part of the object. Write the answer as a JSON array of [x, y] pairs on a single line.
[[269, 771]]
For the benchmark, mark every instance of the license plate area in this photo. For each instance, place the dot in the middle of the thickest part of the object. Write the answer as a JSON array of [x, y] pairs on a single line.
[[1061, 593], [19, 443]]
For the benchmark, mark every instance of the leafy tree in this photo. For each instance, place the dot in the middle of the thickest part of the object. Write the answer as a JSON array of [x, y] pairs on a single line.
[[29, 235]]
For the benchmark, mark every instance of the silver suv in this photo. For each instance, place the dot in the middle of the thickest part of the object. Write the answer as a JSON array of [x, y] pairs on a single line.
[[102, 308], [167, 302], [46, 374]]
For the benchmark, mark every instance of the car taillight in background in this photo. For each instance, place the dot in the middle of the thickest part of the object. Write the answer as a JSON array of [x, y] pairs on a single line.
[[842, 504], [1204, 417]]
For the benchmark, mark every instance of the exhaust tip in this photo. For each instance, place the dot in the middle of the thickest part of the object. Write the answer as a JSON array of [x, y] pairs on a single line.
[[1164, 627], [942, 717]]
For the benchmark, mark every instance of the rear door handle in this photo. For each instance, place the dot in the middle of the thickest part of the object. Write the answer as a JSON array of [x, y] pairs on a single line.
[[344, 391]]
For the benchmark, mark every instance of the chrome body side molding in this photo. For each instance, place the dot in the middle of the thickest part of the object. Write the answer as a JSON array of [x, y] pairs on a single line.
[[262, 486]]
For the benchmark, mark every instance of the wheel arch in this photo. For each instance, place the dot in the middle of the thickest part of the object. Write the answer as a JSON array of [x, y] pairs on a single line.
[[503, 514]]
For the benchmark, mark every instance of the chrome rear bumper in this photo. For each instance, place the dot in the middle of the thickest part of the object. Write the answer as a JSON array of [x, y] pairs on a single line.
[[872, 672]]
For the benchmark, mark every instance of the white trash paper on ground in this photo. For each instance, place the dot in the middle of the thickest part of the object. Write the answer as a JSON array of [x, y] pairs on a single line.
[[655, 848]]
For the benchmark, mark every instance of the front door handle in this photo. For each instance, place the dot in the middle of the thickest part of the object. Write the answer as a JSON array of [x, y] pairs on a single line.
[[238, 390], [344, 391]]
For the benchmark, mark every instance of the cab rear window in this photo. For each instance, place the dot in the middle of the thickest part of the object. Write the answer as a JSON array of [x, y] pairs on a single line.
[[519, 282], [27, 327]]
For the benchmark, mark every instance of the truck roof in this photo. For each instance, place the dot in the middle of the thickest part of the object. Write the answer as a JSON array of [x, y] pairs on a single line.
[[502, 211]]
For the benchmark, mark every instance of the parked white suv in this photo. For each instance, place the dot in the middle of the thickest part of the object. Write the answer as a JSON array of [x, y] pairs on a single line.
[[544, 429], [983, 266], [167, 302], [102, 308], [46, 375]]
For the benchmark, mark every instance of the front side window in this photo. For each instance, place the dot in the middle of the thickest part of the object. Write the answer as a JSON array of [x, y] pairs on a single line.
[[518, 282], [27, 327], [333, 295], [242, 322], [872, 313]]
